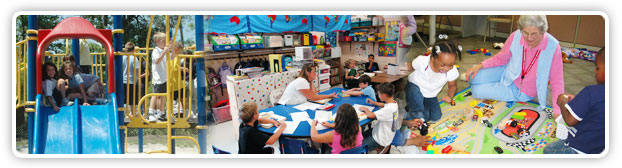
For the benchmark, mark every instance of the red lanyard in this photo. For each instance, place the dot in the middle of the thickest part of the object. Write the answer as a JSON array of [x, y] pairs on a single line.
[[533, 61]]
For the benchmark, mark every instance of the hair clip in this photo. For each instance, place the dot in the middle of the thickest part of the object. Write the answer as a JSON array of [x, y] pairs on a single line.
[[430, 48], [438, 49], [442, 36], [460, 48]]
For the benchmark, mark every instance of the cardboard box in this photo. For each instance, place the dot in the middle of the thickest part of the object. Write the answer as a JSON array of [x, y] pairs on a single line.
[[289, 40]]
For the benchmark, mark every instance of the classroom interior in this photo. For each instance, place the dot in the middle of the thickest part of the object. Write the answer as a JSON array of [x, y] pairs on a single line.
[[572, 31]]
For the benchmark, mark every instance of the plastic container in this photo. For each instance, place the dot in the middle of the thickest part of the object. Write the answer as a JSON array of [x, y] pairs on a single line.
[[221, 114]]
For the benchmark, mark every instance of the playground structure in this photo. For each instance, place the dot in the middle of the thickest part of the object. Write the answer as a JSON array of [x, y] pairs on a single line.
[[101, 129]]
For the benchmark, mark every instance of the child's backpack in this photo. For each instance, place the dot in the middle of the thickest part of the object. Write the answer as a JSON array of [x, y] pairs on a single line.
[[223, 71]]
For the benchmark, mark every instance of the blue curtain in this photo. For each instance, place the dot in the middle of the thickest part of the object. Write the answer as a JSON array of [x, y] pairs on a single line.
[[229, 24], [280, 23], [330, 23], [237, 24]]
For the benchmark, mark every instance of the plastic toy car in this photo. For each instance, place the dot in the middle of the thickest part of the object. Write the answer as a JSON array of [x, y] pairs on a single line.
[[498, 150]]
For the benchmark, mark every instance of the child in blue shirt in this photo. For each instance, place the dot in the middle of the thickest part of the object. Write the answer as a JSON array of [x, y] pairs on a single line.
[[363, 89], [584, 112]]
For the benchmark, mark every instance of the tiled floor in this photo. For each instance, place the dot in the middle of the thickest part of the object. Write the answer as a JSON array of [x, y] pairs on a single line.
[[576, 76]]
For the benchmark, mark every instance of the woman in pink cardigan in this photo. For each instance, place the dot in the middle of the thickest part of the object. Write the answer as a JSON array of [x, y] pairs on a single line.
[[529, 61]]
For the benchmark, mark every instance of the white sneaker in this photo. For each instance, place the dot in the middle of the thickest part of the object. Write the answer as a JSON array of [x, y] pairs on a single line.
[[152, 118]]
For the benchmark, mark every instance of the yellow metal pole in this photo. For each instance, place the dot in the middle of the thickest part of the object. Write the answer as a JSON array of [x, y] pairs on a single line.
[[169, 98]]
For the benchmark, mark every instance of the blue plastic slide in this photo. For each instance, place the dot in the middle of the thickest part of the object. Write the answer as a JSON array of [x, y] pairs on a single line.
[[77, 129]]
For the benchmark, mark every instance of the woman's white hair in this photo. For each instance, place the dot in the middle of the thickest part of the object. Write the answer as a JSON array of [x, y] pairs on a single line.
[[533, 20]]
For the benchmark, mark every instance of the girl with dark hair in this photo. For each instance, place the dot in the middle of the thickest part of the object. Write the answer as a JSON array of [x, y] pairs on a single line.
[[347, 133], [430, 74], [52, 95]]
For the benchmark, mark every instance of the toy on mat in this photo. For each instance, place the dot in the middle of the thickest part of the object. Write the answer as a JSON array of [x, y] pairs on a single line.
[[497, 45], [423, 129], [446, 150], [498, 150]]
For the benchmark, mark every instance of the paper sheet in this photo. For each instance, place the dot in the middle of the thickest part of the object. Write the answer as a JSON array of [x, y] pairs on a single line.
[[323, 101], [307, 105], [357, 106], [370, 74], [300, 116], [291, 127], [321, 116], [270, 114]]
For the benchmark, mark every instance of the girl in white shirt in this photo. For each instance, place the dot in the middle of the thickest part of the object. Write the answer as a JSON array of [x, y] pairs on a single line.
[[52, 95], [301, 90], [431, 74]]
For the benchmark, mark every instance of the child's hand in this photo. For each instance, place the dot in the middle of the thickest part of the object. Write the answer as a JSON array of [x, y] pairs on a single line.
[[334, 95], [363, 109], [563, 99], [314, 123], [447, 99], [369, 101], [275, 123], [421, 141], [282, 124], [326, 124], [56, 108], [86, 104], [414, 123]]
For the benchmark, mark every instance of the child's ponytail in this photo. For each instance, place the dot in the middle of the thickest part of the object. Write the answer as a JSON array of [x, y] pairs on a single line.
[[446, 46]]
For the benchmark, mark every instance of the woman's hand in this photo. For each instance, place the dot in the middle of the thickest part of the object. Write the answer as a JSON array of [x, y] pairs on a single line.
[[471, 72]]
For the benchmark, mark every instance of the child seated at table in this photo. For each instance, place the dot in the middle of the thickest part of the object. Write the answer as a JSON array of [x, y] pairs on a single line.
[[363, 89], [585, 113], [347, 133], [384, 131], [251, 140], [352, 75]]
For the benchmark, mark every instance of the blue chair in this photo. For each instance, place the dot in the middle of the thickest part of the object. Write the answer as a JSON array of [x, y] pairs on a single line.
[[219, 151], [358, 150], [294, 146]]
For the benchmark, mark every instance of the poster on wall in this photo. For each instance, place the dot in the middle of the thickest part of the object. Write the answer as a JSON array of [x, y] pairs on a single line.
[[387, 49], [362, 50], [393, 31]]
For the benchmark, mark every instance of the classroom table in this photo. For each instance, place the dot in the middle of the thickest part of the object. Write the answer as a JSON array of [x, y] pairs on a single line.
[[384, 77], [304, 128]]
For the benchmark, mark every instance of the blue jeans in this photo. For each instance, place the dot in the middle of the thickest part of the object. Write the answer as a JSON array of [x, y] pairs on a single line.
[[486, 85], [420, 107], [371, 142], [558, 147]]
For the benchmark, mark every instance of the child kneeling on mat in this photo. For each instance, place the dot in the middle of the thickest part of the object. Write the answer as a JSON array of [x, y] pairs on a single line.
[[430, 75]]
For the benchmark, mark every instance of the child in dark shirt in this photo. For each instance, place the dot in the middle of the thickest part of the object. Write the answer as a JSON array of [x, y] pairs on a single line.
[[585, 115], [251, 140]]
